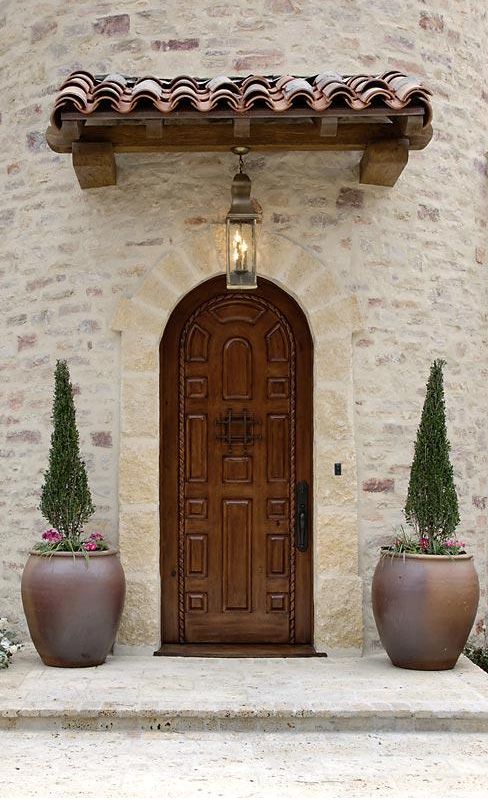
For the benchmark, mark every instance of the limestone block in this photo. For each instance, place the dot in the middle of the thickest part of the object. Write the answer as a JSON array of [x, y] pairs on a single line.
[[139, 353], [140, 404], [333, 361], [335, 542], [137, 316], [120, 320], [159, 293], [139, 471], [140, 623], [331, 489], [139, 540], [201, 255], [333, 319], [303, 269], [316, 287], [338, 623], [332, 421], [176, 270], [276, 256]]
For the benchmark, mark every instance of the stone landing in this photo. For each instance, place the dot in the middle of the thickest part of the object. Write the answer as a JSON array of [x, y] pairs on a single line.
[[134, 692]]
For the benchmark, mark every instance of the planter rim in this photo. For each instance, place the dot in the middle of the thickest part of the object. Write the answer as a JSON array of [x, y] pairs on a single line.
[[69, 554], [429, 556]]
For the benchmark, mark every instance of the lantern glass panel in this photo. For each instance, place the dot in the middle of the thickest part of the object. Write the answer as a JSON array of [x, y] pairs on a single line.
[[241, 254]]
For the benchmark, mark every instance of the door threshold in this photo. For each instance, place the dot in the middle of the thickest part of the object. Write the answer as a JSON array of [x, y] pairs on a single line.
[[239, 650]]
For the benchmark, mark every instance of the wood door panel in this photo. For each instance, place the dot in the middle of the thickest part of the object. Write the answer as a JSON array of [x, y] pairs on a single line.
[[229, 311], [276, 344], [236, 436], [237, 369], [197, 344], [277, 602], [197, 388], [278, 438], [197, 448], [277, 557], [196, 602], [278, 388], [236, 554], [236, 469], [196, 508], [196, 555], [277, 508]]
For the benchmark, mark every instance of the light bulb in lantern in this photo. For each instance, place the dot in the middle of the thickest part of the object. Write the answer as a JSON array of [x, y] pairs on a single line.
[[240, 252]]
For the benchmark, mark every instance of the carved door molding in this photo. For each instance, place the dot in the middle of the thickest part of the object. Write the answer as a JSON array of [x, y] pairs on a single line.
[[236, 425]]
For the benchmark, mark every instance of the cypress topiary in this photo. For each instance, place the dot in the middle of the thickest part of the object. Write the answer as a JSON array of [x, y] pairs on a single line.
[[65, 500], [432, 505]]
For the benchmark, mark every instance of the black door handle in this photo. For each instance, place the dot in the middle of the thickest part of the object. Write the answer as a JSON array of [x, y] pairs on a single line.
[[301, 523]]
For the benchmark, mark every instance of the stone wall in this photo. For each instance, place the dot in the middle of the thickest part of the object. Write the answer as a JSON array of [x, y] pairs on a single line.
[[413, 257]]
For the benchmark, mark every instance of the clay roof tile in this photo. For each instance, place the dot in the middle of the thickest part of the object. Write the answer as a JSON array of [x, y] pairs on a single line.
[[85, 93]]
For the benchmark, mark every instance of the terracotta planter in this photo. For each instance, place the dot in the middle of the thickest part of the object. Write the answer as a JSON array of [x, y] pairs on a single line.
[[73, 606], [424, 607]]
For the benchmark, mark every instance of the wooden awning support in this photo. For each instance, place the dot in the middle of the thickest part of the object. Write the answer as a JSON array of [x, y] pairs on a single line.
[[94, 164], [383, 162], [383, 116], [384, 139]]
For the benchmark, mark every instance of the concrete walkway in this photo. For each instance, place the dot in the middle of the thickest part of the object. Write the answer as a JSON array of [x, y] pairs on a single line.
[[180, 694]]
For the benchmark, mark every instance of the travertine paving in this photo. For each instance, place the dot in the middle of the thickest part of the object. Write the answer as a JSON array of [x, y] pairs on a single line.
[[242, 766], [247, 729], [179, 694]]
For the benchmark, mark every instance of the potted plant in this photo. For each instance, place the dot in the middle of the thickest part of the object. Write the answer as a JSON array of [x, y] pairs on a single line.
[[425, 588], [73, 584]]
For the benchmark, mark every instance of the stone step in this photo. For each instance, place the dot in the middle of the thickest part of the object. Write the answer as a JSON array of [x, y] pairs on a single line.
[[249, 694]]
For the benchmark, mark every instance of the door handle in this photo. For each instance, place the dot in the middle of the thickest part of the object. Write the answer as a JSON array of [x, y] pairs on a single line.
[[301, 522]]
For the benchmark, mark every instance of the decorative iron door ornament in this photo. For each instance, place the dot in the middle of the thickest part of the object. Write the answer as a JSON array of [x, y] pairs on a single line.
[[238, 429]]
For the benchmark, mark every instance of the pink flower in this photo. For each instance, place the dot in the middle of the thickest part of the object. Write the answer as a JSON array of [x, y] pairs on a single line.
[[96, 537], [424, 543], [455, 543], [52, 535], [89, 545]]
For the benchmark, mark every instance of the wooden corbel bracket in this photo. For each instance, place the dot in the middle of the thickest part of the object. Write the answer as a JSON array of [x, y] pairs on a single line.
[[383, 162], [94, 164]]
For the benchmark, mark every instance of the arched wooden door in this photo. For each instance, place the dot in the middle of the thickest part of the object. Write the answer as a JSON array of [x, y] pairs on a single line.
[[236, 440]]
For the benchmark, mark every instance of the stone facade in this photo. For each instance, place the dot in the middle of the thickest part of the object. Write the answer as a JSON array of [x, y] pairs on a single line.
[[389, 278]]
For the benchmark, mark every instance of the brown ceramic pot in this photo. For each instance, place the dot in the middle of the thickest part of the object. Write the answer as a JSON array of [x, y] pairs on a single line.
[[424, 607], [73, 606]]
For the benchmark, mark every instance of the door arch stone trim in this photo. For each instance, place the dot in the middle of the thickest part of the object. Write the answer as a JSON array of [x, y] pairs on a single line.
[[333, 317]]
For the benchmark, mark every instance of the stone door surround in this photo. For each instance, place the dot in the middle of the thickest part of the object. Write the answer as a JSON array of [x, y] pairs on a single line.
[[333, 317]]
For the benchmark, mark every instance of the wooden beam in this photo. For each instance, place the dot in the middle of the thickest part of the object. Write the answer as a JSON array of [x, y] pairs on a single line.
[[253, 113], [94, 164], [408, 126], [154, 129], [326, 126], [242, 127], [72, 129], [200, 138], [383, 162]]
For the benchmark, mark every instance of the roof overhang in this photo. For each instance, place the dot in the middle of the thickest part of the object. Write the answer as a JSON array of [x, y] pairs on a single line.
[[383, 116]]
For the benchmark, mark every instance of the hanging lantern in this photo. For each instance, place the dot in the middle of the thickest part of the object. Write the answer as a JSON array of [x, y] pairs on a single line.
[[241, 224]]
